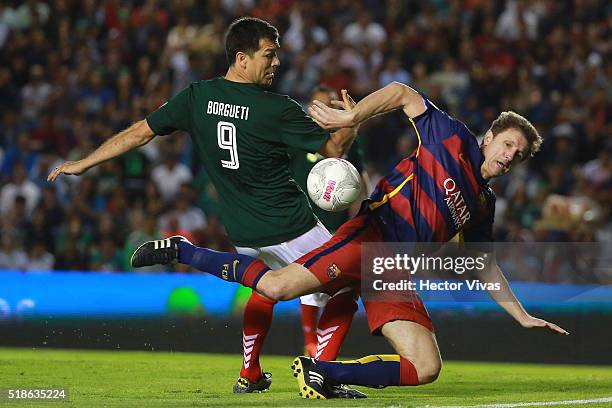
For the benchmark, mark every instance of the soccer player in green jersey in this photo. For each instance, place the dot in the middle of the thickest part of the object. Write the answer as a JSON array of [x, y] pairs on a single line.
[[242, 134]]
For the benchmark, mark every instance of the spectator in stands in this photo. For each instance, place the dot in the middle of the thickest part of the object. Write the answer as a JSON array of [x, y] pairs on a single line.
[[188, 217], [170, 174], [19, 186], [35, 94], [393, 71], [364, 31], [39, 259], [12, 254]]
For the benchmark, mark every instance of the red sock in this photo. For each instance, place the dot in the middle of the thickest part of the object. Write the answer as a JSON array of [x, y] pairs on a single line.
[[408, 372], [334, 325], [309, 325], [257, 321]]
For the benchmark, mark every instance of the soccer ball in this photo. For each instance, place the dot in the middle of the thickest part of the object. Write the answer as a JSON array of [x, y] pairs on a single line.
[[333, 184]]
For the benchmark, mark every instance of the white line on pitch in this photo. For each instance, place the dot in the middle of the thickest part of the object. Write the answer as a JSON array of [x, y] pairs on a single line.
[[527, 404]]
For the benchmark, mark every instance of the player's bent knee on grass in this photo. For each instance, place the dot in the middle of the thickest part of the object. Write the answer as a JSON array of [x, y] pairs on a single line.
[[417, 344], [288, 283]]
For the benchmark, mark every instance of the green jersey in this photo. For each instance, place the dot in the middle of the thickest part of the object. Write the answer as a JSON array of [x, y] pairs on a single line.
[[242, 134], [301, 164]]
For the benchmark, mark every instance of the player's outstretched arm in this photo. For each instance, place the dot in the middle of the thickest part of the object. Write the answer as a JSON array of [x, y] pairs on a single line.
[[136, 135], [508, 301], [391, 97]]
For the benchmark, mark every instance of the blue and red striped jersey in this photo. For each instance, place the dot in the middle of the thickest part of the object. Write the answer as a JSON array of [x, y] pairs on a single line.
[[438, 190]]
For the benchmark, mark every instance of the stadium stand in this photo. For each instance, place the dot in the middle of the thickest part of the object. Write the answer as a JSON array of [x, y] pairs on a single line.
[[74, 72]]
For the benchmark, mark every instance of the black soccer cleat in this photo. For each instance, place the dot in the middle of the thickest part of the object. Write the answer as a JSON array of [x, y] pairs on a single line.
[[313, 384], [343, 391], [160, 251], [245, 386]]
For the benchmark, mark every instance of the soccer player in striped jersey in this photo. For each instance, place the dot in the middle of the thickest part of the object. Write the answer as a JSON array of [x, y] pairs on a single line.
[[439, 191]]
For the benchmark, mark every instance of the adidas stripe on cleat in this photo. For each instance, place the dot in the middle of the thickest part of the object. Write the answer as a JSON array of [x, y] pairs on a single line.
[[309, 377], [157, 252]]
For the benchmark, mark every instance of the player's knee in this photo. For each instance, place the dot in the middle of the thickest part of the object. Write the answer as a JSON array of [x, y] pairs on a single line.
[[427, 366], [428, 369], [277, 289], [287, 291], [270, 291]]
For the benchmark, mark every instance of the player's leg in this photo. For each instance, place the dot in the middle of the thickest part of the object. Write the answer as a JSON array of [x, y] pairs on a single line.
[[309, 313], [286, 283], [257, 319], [337, 315], [310, 305], [308, 275], [407, 327], [420, 361], [336, 261], [324, 335], [294, 280], [334, 323], [281, 284], [256, 323], [417, 360], [259, 309], [332, 266]]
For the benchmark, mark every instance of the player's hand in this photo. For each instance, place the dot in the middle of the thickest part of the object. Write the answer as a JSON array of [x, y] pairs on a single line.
[[70, 167], [531, 322], [347, 103], [330, 118]]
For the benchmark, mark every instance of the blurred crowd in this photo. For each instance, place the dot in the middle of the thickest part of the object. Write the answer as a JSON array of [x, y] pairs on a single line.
[[72, 73]]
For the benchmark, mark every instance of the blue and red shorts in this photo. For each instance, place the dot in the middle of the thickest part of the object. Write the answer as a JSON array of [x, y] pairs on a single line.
[[337, 264]]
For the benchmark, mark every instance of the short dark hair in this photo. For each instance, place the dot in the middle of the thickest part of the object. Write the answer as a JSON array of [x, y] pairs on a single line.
[[243, 35], [512, 120]]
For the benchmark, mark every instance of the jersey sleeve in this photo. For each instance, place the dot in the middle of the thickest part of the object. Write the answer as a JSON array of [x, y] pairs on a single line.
[[434, 125], [299, 130], [174, 114]]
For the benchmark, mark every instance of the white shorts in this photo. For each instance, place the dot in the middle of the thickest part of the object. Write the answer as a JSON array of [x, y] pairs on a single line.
[[280, 255]]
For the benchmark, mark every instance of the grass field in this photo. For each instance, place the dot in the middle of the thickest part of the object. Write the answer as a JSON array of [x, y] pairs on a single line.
[[156, 379]]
